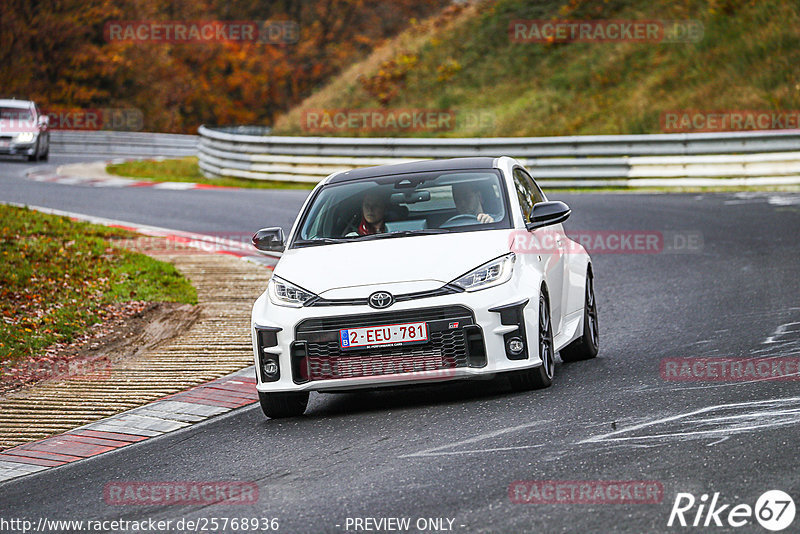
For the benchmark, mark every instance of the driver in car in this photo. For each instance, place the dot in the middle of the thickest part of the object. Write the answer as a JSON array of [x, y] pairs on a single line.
[[468, 201], [373, 215]]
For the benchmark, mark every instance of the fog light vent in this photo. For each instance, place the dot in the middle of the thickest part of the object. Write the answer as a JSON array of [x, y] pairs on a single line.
[[516, 340], [515, 346], [270, 368], [267, 337]]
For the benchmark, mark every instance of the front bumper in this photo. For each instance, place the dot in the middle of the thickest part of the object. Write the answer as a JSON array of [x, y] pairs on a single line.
[[300, 342], [22, 149]]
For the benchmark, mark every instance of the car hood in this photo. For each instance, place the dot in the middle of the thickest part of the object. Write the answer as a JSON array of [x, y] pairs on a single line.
[[6, 130], [399, 265]]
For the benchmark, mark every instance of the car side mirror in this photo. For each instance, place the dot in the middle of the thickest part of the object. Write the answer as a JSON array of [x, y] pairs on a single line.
[[269, 239], [44, 120], [547, 213]]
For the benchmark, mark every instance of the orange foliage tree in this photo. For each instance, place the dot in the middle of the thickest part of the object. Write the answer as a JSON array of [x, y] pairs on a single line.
[[56, 52]]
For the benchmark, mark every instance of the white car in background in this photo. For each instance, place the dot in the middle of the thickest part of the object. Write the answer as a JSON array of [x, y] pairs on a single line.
[[24, 130], [414, 273]]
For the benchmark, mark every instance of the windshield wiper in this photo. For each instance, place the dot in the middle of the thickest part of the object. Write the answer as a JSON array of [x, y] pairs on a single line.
[[320, 241], [405, 233]]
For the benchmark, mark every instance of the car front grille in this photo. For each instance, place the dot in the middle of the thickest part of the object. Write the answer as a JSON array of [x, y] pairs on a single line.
[[446, 350], [447, 289], [317, 354]]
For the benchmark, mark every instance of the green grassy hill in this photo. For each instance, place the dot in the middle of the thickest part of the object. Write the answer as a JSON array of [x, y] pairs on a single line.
[[464, 60]]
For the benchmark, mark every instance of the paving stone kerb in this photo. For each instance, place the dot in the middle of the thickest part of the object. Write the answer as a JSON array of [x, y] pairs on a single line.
[[133, 426], [216, 345]]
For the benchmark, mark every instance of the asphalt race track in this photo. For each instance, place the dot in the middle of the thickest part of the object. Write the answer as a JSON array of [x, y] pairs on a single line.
[[452, 451]]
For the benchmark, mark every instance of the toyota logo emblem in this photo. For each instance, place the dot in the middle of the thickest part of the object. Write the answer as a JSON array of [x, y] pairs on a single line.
[[381, 299]]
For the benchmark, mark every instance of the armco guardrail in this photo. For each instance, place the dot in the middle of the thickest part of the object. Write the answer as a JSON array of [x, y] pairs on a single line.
[[122, 144], [702, 159]]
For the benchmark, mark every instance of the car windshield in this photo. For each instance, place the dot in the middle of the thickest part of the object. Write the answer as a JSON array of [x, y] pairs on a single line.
[[15, 115], [405, 205]]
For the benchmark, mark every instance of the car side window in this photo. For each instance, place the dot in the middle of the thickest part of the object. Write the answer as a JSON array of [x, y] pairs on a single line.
[[536, 193], [524, 193]]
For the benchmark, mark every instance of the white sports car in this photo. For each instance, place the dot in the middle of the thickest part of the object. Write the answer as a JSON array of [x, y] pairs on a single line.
[[421, 272]]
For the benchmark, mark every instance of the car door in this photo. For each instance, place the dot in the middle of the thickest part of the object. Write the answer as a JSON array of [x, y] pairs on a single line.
[[551, 242]]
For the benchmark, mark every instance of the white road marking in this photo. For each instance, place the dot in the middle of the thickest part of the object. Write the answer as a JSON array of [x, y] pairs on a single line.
[[480, 437], [749, 416], [780, 332], [748, 197], [475, 451]]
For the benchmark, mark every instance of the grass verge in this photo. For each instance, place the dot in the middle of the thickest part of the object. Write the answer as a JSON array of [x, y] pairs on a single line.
[[469, 64], [187, 170], [58, 277]]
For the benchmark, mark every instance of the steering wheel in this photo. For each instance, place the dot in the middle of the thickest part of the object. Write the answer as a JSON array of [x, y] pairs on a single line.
[[459, 220]]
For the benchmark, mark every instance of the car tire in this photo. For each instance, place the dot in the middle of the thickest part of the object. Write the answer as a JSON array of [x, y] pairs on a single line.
[[280, 405], [35, 155], [586, 346], [542, 376]]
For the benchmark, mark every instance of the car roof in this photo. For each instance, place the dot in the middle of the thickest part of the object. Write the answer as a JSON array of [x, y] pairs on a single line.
[[455, 164], [13, 103]]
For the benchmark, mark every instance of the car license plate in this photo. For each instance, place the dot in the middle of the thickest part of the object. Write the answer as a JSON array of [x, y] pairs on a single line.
[[390, 334]]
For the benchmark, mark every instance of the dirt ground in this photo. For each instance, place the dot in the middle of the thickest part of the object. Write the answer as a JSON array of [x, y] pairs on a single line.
[[133, 328]]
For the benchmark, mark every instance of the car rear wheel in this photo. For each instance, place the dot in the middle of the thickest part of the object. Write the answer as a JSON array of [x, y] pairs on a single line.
[[279, 405], [542, 376], [586, 346]]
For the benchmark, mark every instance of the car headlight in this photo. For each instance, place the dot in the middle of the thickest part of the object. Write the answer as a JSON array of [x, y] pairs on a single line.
[[24, 137], [285, 293], [493, 273]]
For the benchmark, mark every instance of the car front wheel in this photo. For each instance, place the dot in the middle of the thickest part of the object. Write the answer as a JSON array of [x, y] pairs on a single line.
[[35, 155], [279, 405], [542, 376]]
